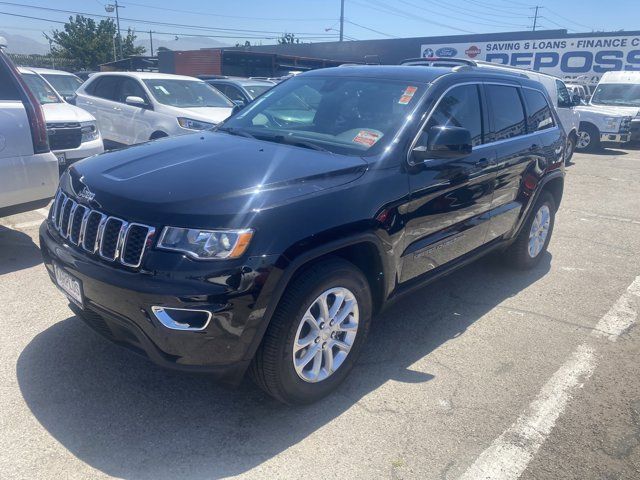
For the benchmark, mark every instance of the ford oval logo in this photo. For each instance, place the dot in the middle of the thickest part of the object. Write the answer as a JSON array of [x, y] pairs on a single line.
[[446, 52]]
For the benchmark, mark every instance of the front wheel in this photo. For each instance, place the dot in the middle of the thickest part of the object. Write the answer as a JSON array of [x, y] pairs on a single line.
[[316, 333], [571, 147], [588, 138], [533, 239]]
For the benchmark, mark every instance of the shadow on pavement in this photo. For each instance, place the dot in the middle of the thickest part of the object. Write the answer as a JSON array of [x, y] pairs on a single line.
[[17, 251], [122, 415], [608, 152]]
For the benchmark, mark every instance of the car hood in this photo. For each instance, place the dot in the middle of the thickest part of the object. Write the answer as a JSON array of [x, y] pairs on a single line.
[[609, 110], [64, 112], [204, 114], [206, 179]]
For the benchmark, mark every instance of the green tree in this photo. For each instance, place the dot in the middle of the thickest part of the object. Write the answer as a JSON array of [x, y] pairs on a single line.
[[91, 43]]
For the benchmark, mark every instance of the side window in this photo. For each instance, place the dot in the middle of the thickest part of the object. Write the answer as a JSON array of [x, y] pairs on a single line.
[[506, 111], [539, 112], [460, 107], [233, 93], [8, 89], [106, 87], [130, 87], [564, 98]]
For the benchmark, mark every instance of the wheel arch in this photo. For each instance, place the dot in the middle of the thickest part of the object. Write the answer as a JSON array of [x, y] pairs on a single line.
[[555, 186]]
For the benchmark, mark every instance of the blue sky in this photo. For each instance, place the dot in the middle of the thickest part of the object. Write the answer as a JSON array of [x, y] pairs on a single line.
[[315, 20]]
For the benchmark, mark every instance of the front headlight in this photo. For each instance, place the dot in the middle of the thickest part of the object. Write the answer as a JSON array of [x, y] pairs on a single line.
[[192, 124], [206, 244], [89, 131], [611, 123]]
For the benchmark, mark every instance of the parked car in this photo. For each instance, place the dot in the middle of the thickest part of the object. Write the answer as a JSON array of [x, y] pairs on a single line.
[[581, 91], [134, 107], [84, 74], [240, 91], [73, 132], [269, 248], [65, 83], [28, 169], [620, 93]]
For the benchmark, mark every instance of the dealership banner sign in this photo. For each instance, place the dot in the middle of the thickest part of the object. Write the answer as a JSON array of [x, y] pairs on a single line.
[[581, 58]]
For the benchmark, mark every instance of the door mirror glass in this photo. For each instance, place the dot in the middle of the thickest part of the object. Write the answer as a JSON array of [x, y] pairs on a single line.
[[135, 101], [444, 142], [576, 100]]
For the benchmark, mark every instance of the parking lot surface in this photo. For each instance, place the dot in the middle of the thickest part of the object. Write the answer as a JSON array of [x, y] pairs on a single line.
[[488, 373]]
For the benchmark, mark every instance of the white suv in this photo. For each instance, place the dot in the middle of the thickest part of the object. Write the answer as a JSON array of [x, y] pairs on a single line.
[[28, 169], [73, 133], [133, 107]]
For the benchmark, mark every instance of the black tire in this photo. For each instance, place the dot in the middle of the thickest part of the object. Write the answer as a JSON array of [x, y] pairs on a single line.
[[272, 368], [518, 252], [593, 134], [571, 148], [157, 135]]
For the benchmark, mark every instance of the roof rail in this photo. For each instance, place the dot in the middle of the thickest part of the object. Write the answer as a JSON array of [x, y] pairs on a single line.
[[439, 62]]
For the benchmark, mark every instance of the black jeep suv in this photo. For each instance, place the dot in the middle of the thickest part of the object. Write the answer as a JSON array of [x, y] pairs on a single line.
[[268, 244]]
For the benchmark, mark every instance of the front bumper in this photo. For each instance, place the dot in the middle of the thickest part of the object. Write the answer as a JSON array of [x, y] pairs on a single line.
[[614, 137], [118, 304]]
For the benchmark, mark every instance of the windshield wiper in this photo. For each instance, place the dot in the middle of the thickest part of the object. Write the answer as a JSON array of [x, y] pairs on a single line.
[[234, 131], [296, 142]]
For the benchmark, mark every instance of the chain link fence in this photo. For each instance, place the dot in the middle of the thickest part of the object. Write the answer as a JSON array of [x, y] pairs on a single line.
[[45, 61]]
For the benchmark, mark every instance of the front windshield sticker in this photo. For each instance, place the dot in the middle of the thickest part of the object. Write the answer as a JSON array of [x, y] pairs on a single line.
[[408, 94], [367, 137]]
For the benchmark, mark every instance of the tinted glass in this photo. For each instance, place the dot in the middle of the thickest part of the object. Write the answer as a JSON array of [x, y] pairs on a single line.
[[8, 90], [41, 89], [131, 88], [352, 116], [506, 111], [460, 108], [257, 90], [186, 93], [539, 111], [233, 93], [106, 87], [564, 97], [65, 85]]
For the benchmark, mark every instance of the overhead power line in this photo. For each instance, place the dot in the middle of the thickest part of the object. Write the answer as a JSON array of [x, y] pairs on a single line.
[[370, 29]]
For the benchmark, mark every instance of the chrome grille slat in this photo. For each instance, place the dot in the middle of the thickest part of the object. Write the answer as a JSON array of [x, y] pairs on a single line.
[[110, 238]]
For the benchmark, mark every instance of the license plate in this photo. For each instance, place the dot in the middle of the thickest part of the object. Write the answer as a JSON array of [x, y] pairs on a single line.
[[69, 285], [62, 158]]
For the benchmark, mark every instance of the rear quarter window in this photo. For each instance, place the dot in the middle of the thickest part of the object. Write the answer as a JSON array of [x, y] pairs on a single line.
[[8, 89]]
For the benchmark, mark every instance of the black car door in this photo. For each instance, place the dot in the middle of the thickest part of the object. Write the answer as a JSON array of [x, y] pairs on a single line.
[[446, 216], [518, 149]]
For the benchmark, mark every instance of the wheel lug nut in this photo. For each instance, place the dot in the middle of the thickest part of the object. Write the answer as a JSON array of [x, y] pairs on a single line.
[[318, 340], [321, 324]]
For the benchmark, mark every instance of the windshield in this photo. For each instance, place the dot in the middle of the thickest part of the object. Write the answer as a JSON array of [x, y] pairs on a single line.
[[65, 85], [352, 116], [41, 89], [620, 94], [186, 93], [257, 90]]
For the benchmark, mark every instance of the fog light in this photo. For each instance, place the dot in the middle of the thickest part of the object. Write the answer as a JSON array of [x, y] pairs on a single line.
[[182, 318]]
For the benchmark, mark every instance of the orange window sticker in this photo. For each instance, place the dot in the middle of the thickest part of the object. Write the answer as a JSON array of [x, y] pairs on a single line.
[[408, 94], [367, 137]]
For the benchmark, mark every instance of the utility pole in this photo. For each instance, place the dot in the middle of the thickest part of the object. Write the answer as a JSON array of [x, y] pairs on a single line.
[[341, 20], [535, 19], [110, 8], [151, 41]]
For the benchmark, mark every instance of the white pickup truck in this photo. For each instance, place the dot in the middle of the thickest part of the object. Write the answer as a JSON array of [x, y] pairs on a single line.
[[28, 169]]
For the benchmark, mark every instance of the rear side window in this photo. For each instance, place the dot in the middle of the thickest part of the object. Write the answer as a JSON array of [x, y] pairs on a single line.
[[539, 112], [106, 87], [506, 111], [460, 107], [8, 89], [564, 98]]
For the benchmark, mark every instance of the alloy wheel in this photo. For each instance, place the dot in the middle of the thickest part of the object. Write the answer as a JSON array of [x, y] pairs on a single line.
[[325, 335], [539, 231], [584, 139]]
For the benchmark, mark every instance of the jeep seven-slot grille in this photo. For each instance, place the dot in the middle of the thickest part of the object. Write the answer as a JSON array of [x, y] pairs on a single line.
[[111, 238]]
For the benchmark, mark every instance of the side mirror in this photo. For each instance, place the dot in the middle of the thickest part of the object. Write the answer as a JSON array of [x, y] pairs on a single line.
[[70, 99], [236, 108], [135, 101], [444, 143], [576, 100], [239, 103]]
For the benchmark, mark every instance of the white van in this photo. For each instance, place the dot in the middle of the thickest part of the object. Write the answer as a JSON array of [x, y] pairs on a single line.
[[620, 92]]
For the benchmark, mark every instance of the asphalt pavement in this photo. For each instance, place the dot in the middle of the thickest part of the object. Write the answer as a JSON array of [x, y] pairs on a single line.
[[488, 373]]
